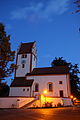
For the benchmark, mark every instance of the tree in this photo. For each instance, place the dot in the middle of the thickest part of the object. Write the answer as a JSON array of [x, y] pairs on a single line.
[[60, 62], [77, 3], [74, 71], [6, 54], [4, 90]]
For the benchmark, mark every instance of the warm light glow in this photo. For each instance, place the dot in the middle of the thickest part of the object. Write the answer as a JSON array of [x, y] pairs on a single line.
[[71, 96], [45, 91], [74, 98], [42, 97]]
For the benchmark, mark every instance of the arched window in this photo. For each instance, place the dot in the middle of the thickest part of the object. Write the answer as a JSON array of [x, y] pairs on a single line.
[[36, 87], [50, 87]]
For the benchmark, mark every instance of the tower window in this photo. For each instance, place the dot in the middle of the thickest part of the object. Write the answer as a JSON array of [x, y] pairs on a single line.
[[24, 56], [50, 87], [36, 87], [23, 65]]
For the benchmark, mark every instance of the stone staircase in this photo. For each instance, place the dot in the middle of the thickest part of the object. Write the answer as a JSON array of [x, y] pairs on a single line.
[[30, 104]]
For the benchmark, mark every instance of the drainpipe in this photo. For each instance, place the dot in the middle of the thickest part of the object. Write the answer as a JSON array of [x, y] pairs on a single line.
[[30, 91]]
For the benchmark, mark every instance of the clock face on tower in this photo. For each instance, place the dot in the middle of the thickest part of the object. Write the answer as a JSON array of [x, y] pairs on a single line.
[[23, 61]]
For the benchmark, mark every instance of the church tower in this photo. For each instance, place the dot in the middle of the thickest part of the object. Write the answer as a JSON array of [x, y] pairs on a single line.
[[25, 59]]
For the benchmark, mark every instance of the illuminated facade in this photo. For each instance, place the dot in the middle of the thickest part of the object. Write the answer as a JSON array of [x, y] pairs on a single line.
[[29, 81]]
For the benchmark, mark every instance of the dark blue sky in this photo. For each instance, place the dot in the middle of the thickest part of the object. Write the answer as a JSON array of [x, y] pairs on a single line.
[[49, 22]]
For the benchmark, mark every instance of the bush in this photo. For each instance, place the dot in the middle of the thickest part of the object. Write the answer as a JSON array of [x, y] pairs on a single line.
[[59, 105], [4, 90], [48, 104]]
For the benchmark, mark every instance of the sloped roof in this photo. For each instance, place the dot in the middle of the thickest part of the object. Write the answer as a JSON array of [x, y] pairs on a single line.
[[25, 48], [21, 82], [49, 70]]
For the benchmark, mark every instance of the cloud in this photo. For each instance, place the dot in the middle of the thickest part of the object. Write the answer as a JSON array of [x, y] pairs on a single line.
[[41, 10]]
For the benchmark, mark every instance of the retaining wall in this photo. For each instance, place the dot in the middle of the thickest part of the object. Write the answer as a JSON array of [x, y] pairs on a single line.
[[14, 102]]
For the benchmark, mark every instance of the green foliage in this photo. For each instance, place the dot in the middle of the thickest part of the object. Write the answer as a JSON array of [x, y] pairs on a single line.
[[74, 74], [6, 55], [60, 62], [4, 90]]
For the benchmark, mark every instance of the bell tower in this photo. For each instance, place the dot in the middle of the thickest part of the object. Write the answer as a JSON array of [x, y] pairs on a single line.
[[25, 59]]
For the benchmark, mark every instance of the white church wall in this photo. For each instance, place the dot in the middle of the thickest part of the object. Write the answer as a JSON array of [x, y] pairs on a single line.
[[21, 72], [43, 84], [19, 91], [68, 86], [33, 61], [34, 56]]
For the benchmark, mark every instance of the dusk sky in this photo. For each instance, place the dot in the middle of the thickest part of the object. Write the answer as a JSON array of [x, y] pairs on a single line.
[[49, 22]]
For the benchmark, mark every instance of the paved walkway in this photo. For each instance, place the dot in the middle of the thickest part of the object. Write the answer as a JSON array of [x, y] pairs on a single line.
[[67, 113]]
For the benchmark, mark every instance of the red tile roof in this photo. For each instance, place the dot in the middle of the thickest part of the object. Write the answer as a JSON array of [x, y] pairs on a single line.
[[49, 70], [25, 48], [21, 82]]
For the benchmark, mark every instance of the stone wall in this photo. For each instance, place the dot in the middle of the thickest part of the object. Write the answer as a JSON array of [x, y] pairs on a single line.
[[14, 102]]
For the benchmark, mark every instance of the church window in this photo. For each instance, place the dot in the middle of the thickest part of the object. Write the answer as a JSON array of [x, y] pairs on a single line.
[[27, 89], [36, 87], [60, 82], [24, 56], [23, 89], [23, 65], [61, 93], [50, 87]]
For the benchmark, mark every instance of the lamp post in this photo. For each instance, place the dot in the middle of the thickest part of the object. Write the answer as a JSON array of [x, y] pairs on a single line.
[[45, 92], [40, 99], [73, 98]]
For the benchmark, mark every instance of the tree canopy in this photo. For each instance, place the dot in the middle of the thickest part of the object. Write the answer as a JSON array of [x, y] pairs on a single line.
[[74, 72], [6, 54], [4, 90], [60, 62], [77, 3]]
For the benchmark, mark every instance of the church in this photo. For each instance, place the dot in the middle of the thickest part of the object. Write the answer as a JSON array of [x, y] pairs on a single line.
[[49, 84]]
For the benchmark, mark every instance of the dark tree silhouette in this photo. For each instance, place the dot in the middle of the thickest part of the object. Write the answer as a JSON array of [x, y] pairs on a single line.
[[6, 54], [77, 3], [74, 71], [4, 90], [60, 62]]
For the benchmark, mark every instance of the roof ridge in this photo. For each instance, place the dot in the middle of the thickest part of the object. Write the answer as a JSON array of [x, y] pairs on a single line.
[[49, 70], [51, 67], [28, 42]]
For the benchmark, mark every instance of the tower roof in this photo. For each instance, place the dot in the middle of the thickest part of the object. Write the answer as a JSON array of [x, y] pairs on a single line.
[[26, 48]]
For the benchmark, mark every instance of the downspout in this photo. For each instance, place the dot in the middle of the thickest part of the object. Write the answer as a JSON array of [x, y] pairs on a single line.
[[68, 87], [30, 91]]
